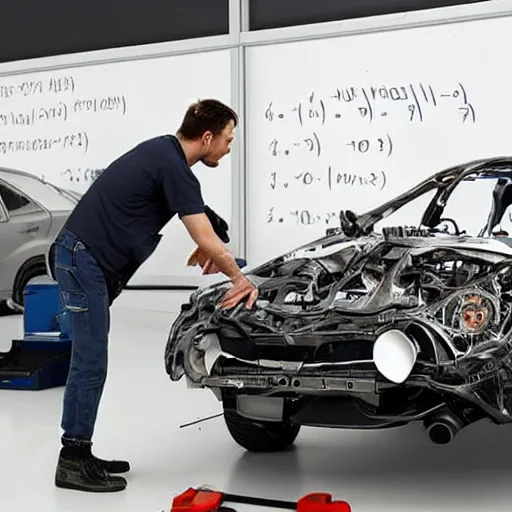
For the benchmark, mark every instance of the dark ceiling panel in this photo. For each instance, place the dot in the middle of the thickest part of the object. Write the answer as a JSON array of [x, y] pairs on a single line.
[[265, 14], [40, 28]]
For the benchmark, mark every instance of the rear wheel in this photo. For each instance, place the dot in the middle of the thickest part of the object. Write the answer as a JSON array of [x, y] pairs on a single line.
[[260, 436], [5, 310], [35, 267]]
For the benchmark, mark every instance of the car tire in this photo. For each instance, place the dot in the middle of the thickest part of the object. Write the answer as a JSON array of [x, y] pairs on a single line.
[[35, 267], [5, 310], [260, 436]]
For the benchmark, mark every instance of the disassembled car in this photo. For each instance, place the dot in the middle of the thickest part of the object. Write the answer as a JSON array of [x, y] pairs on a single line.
[[364, 329]]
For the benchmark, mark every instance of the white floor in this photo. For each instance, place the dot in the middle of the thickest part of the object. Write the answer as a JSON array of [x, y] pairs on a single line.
[[140, 418]]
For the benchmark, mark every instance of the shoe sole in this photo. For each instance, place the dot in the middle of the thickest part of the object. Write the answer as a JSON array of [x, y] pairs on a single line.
[[120, 472], [75, 487]]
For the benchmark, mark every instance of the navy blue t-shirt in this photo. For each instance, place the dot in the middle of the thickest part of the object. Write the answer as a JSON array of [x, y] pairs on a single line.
[[120, 216]]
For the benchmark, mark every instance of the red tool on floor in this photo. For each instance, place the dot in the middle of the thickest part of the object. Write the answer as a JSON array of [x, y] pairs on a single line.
[[206, 500]]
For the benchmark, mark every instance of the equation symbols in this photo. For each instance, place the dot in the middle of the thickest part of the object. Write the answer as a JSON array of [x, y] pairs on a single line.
[[78, 175], [101, 104], [310, 144], [413, 102], [334, 179], [354, 179], [37, 144], [346, 95], [61, 84], [312, 110], [380, 144], [270, 114], [302, 217], [271, 218], [306, 178], [308, 218], [273, 181], [468, 113]]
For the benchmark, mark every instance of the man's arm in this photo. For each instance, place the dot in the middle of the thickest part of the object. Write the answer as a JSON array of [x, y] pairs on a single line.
[[201, 231], [183, 193]]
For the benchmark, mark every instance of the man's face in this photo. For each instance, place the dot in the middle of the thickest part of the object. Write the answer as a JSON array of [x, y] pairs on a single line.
[[218, 146]]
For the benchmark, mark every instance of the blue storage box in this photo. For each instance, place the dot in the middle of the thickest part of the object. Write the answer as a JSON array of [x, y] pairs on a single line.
[[41, 359], [44, 312]]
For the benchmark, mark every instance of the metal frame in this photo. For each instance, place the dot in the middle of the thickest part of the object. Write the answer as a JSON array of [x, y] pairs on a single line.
[[94, 58], [237, 41], [238, 24]]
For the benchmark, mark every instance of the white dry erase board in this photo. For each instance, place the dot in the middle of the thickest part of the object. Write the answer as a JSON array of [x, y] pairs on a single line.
[[68, 124], [350, 122]]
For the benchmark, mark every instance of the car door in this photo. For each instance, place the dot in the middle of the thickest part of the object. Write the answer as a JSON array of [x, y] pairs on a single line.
[[21, 223]]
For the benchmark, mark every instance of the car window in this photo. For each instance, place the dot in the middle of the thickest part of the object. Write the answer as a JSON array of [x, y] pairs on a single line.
[[16, 203], [469, 206]]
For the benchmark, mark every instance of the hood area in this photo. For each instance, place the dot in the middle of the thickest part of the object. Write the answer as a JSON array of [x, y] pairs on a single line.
[[354, 282]]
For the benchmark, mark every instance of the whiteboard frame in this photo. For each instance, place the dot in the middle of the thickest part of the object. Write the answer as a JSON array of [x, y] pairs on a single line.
[[237, 41], [124, 54], [238, 24]]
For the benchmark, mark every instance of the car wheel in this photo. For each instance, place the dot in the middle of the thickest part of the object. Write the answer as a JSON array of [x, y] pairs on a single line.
[[260, 436], [34, 267], [5, 310]]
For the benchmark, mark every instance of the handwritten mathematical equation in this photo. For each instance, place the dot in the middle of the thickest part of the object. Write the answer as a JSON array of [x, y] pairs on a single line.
[[302, 217], [332, 178], [313, 145], [62, 110], [105, 104], [78, 140], [373, 102], [33, 87], [78, 175]]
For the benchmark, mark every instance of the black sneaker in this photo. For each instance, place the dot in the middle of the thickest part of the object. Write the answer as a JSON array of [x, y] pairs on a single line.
[[113, 466], [110, 466], [77, 469]]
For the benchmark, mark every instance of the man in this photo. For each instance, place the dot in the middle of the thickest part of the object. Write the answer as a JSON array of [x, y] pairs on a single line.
[[111, 232]]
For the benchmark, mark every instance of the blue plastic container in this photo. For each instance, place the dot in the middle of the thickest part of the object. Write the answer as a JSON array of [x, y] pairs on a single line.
[[44, 312], [42, 358]]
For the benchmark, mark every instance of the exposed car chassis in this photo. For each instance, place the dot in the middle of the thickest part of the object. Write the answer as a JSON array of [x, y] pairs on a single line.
[[361, 329]]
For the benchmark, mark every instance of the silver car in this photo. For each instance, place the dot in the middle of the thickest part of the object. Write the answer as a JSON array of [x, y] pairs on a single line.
[[32, 212]]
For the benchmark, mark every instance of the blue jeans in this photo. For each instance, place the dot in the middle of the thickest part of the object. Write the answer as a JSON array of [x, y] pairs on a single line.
[[85, 297]]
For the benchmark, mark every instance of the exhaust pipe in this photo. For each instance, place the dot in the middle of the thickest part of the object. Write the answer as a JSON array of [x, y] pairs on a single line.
[[442, 428]]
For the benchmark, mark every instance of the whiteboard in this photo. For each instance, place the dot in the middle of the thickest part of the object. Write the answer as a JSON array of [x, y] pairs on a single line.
[[350, 122], [67, 125]]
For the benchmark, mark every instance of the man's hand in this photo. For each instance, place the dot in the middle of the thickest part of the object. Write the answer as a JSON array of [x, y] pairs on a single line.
[[242, 288], [199, 257], [209, 244]]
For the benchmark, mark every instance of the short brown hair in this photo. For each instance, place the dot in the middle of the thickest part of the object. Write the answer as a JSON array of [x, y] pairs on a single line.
[[206, 115]]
